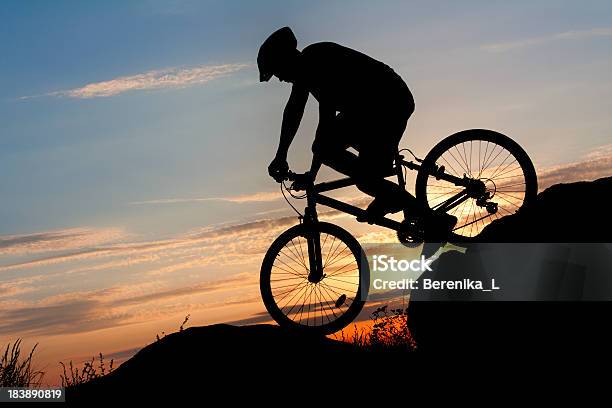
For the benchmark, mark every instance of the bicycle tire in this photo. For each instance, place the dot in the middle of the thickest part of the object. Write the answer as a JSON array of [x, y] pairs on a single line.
[[266, 289], [474, 135]]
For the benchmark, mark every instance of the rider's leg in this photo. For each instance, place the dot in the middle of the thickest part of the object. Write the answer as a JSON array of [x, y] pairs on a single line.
[[370, 180], [374, 163], [379, 137]]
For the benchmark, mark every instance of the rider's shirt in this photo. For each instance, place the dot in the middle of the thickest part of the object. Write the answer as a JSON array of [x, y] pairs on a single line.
[[349, 81]]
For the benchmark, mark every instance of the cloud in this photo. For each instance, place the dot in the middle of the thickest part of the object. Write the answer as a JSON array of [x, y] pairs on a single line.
[[18, 286], [257, 230], [535, 41], [595, 164], [263, 196], [268, 224], [85, 311], [68, 317], [257, 197], [58, 240], [378, 237], [257, 318], [241, 241], [168, 78], [235, 281]]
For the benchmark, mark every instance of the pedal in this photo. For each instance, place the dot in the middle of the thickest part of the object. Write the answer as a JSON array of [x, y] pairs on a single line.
[[366, 218], [340, 300]]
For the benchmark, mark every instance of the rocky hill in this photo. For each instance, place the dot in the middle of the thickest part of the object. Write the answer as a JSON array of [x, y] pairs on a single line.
[[553, 262]]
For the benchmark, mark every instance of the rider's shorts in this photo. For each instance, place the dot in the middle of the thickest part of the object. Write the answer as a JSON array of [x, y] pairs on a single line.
[[374, 132]]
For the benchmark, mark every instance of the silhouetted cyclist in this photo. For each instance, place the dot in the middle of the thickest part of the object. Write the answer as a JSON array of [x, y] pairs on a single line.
[[363, 104]]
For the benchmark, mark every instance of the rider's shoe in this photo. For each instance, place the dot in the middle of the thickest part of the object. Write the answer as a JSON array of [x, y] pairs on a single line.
[[377, 209]]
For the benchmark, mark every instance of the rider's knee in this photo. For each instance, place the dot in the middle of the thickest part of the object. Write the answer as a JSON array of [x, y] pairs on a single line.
[[410, 107]]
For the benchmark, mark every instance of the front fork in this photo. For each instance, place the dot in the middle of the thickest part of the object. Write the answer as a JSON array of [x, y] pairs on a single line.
[[313, 238]]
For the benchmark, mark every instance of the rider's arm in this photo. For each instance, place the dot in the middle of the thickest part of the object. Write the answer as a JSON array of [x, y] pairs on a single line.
[[315, 166], [292, 116], [326, 118]]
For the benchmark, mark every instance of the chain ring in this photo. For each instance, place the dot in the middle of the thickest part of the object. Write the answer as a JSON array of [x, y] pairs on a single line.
[[411, 232]]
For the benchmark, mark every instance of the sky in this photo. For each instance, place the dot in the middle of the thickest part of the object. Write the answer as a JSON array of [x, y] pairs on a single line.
[[135, 137]]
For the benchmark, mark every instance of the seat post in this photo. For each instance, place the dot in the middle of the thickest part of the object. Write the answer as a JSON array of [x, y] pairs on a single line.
[[399, 171]]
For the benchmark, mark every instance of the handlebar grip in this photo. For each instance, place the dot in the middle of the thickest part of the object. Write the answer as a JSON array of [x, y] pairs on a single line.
[[290, 176]]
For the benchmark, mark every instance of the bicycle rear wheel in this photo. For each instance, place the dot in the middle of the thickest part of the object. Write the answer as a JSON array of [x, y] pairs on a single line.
[[323, 307], [481, 155]]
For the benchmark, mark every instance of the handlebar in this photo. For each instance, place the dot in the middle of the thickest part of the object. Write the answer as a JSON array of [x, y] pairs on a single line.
[[300, 181]]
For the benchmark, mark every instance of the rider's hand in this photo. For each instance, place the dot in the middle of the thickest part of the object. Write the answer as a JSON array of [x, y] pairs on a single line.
[[278, 169], [301, 181]]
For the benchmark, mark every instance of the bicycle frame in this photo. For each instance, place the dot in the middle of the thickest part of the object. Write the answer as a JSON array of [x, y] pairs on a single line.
[[314, 196]]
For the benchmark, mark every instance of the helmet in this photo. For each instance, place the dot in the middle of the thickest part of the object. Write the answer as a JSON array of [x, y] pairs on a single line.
[[277, 45]]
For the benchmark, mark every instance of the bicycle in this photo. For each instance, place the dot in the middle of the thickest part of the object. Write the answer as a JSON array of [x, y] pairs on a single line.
[[314, 274]]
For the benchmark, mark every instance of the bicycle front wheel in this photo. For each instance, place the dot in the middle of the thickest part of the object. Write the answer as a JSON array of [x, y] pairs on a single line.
[[322, 307]]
